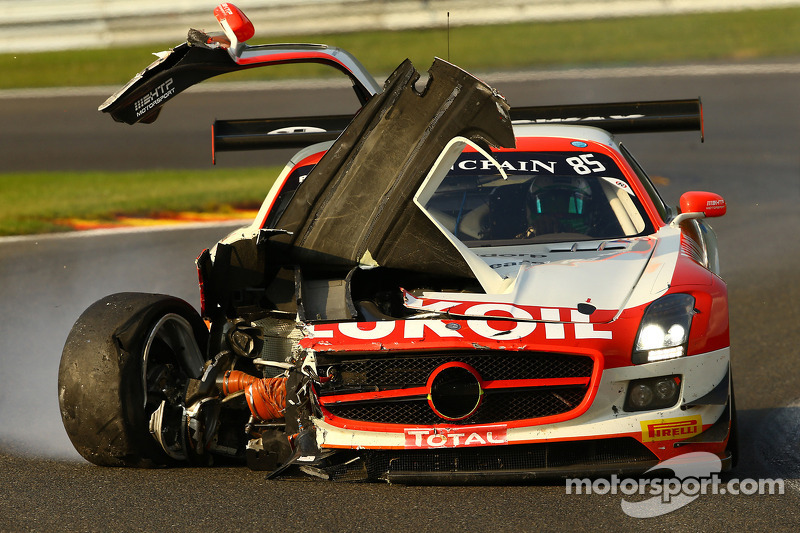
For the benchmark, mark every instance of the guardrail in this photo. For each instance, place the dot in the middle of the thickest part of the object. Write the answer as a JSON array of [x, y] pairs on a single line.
[[38, 25]]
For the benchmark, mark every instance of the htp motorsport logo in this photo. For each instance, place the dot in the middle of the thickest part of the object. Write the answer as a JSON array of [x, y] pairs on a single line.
[[155, 97]]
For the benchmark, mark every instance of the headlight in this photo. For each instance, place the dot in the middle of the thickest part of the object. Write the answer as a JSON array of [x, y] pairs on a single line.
[[653, 393], [664, 329]]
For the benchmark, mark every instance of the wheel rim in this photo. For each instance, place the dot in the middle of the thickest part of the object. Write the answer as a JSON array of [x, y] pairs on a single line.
[[175, 333], [170, 357]]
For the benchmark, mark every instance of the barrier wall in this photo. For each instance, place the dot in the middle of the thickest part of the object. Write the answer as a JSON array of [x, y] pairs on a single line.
[[36, 25]]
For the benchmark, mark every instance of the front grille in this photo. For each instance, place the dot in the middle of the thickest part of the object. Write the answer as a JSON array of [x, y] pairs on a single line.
[[387, 372], [498, 405]]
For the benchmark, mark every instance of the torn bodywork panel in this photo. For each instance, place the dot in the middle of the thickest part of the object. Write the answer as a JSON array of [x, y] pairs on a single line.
[[356, 202], [355, 207]]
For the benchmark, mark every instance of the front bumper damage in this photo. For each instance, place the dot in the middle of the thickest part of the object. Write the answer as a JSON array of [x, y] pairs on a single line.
[[603, 440]]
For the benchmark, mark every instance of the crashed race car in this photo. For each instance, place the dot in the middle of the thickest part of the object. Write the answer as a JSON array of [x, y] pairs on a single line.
[[441, 288]]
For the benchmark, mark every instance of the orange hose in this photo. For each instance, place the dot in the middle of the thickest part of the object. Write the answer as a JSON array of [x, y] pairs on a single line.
[[235, 380], [265, 397]]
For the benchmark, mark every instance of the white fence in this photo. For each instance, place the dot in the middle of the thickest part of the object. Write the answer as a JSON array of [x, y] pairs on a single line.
[[36, 25]]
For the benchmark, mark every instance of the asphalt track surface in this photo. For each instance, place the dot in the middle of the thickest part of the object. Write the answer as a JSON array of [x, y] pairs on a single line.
[[750, 157]]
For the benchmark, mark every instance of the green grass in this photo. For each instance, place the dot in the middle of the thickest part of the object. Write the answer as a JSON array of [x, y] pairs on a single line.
[[737, 35], [33, 202]]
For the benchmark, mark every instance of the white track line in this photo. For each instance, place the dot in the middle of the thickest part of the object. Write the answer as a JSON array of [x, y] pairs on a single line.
[[233, 224]]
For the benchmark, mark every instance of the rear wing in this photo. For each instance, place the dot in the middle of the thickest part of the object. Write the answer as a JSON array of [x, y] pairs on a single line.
[[624, 117]]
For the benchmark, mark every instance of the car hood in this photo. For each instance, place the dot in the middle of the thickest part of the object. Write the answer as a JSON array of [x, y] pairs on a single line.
[[578, 276]]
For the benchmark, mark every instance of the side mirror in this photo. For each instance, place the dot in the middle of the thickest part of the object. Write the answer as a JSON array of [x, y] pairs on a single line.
[[700, 204], [234, 22]]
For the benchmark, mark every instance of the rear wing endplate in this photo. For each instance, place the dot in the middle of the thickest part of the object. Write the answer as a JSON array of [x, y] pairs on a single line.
[[617, 118]]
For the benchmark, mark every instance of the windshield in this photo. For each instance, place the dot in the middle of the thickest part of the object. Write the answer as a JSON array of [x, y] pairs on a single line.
[[547, 197]]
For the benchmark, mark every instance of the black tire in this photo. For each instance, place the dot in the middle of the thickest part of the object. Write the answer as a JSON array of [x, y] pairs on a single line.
[[106, 401]]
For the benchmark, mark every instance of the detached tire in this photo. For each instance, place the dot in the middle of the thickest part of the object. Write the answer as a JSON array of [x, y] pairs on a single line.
[[126, 354]]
